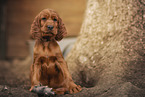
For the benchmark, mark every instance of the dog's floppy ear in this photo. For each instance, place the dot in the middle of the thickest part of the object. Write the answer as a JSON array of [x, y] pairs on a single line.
[[61, 30], [35, 28]]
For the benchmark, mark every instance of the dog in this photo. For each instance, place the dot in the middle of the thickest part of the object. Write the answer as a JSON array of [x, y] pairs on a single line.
[[49, 67]]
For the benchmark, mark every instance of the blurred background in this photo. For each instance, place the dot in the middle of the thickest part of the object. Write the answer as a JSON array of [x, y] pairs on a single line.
[[16, 17]]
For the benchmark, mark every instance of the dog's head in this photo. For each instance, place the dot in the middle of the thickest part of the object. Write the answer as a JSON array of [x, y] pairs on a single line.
[[48, 25]]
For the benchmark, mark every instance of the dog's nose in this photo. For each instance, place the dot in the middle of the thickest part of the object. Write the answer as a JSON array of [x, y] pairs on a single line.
[[50, 27]]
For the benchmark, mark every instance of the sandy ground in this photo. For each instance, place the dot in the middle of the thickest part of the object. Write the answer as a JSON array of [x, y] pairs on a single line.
[[14, 82], [14, 78]]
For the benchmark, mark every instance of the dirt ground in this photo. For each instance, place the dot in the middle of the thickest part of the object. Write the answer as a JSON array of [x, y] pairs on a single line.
[[14, 78], [14, 82]]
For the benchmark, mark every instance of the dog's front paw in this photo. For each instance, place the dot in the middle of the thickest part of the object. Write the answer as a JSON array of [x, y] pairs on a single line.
[[74, 89], [61, 91]]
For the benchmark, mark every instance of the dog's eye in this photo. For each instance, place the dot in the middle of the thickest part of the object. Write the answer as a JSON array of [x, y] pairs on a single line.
[[54, 19], [43, 18]]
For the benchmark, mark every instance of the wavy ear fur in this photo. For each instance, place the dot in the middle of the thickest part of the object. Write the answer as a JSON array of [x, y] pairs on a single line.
[[35, 28], [36, 32], [61, 30]]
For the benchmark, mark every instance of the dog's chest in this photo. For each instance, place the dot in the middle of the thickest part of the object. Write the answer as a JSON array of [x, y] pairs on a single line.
[[49, 51], [46, 50]]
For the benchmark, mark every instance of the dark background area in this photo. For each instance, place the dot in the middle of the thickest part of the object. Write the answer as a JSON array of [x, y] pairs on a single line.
[[16, 17]]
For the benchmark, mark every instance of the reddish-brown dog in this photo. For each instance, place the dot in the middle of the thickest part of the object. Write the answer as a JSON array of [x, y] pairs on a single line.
[[49, 67]]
